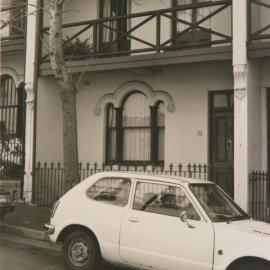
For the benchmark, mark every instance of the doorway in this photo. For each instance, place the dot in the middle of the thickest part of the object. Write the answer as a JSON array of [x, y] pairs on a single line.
[[221, 139], [112, 32]]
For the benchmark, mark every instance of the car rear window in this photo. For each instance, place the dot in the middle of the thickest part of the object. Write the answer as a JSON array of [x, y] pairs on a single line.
[[111, 190]]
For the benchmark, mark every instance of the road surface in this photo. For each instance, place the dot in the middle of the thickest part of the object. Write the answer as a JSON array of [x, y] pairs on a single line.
[[24, 254]]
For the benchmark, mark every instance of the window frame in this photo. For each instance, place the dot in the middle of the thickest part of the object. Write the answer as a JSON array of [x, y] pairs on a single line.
[[119, 129], [165, 183], [130, 193]]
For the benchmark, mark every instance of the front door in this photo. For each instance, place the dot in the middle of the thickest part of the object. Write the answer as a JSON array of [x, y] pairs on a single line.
[[221, 140], [153, 236]]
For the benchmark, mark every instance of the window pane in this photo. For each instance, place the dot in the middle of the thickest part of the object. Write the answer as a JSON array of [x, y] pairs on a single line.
[[136, 128], [220, 101], [163, 199], [161, 115], [136, 112], [111, 144], [160, 131], [136, 144], [111, 116], [202, 13], [185, 15], [161, 139], [192, 14], [111, 133], [111, 190]]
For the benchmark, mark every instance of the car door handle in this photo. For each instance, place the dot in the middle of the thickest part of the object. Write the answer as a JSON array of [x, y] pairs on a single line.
[[133, 219]]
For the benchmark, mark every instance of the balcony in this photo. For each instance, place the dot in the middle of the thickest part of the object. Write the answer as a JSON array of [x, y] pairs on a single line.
[[13, 25], [258, 28], [144, 39]]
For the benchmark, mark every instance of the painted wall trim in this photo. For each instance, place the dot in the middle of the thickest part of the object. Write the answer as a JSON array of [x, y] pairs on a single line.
[[17, 78], [121, 92]]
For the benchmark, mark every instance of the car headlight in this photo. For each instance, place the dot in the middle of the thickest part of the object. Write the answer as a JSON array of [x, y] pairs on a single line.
[[53, 209]]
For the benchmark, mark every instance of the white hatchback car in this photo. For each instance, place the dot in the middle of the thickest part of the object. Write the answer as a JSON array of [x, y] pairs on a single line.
[[160, 222]]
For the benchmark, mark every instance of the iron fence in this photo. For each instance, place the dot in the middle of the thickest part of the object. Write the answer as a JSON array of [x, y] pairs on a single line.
[[260, 198], [49, 178]]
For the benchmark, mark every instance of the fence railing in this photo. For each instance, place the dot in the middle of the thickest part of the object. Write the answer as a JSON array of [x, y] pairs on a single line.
[[146, 32], [49, 178], [260, 195], [259, 22]]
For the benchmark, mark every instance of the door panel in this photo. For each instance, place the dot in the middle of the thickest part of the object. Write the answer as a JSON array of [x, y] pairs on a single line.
[[221, 141], [163, 241]]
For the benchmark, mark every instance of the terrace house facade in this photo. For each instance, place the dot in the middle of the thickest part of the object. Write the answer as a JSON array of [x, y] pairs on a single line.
[[159, 82]]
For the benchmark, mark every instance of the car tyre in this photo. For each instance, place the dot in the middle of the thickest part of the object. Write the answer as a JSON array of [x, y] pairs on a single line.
[[80, 251]]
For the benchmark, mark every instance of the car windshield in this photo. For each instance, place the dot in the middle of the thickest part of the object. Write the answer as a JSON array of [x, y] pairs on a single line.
[[218, 205]]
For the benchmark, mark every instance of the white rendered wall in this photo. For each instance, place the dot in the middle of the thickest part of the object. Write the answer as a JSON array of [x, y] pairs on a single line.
[[186, 132], [14, 61], [49, 144]]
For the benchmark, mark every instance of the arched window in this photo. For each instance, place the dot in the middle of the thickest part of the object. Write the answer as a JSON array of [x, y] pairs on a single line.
[[12, 108], [135, 132]]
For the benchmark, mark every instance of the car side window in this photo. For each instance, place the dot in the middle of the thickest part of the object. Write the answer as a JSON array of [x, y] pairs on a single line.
[[163, 199], [111, 190]]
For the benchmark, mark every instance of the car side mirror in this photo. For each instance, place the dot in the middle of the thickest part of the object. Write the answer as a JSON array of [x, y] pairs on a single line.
[[184, 218]]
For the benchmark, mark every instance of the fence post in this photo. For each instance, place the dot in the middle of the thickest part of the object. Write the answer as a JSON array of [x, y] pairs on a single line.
[[171, 168], [205, 172], [189, 170], [200, 170]]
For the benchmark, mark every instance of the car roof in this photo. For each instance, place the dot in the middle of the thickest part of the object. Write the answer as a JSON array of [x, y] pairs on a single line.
[[154, 176]]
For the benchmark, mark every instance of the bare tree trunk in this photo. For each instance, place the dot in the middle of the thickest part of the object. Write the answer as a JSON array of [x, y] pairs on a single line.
[[68, 95]]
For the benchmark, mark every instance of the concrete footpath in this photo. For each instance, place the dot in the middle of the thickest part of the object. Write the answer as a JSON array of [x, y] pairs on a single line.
[[27, 222]]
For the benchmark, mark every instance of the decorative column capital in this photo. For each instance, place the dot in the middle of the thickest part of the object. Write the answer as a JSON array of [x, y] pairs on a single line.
[[240, 80]]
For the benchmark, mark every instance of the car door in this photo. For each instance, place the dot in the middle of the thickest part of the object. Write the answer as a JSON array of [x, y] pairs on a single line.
[[109, 199], [152, 234]]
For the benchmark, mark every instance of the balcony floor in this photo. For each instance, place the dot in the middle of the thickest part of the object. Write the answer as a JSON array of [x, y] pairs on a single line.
[[222, 53]]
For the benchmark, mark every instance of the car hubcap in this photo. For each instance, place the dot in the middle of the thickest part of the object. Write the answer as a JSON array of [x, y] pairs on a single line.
[[79, 252]]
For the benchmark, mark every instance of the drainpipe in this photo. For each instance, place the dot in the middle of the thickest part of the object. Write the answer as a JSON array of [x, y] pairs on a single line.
[[31, 69]]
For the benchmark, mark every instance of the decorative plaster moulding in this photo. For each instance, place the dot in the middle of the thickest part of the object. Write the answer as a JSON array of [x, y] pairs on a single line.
[[29, 89], [17, 78], [118, 96], [240, 81]]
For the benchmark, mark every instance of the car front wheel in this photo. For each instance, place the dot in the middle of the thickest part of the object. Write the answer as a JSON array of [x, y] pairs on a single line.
[[80, 251]]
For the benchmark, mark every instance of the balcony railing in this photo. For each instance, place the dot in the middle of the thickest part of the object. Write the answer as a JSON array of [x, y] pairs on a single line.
[[147, 32], [13, 22], [259, 20]]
